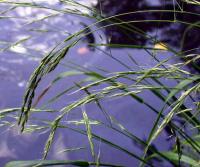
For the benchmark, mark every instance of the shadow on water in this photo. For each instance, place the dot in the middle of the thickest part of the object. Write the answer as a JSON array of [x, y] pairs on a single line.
[[175, 31]]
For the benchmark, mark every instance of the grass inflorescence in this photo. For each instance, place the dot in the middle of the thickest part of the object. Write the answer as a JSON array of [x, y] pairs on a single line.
[[100, 85]]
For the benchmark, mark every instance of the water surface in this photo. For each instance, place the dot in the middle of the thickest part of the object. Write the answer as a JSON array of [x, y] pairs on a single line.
[[17, 62]]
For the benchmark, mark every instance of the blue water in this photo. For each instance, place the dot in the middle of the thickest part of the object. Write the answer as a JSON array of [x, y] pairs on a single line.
[[16, 65]]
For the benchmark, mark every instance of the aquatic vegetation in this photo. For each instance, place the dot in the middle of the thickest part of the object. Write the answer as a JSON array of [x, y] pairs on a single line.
[[171, 83]]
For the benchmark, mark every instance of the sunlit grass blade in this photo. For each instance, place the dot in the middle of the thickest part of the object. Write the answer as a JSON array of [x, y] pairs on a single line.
[[169, 116]]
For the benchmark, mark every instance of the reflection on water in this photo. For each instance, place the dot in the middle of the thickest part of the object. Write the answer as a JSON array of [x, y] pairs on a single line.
[[177, 34], [31, 34], [24, 39]]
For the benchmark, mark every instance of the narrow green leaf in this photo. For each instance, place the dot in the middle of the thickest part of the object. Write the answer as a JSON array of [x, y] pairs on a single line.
[[41, 163], [175, 157]]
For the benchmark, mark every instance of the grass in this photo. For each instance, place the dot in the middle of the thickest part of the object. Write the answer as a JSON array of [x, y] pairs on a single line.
[[101, 85]]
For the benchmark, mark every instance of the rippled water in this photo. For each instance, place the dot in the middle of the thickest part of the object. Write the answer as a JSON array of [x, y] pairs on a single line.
[[18, 62]]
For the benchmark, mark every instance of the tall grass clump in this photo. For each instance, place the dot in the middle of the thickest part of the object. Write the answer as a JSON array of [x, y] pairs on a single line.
[[180, 106]]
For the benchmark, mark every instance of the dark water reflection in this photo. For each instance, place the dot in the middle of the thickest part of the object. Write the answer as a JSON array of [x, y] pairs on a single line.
[[172, 33], [178, 35], [17, 63]]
